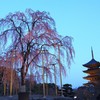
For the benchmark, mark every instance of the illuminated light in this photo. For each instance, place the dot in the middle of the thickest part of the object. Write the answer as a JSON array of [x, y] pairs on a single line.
[[75, 97]]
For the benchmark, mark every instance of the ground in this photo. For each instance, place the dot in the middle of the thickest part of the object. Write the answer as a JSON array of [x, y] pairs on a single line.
[[35, 97]]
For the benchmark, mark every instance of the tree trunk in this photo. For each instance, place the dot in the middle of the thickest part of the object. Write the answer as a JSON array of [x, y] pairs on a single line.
[[23, 87], [11, 83], [23, 95], [4, 89]]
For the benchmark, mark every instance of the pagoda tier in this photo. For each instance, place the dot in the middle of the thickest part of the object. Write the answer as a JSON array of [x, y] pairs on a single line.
[[94, 83], [92, 64], [89, 83], [92, 71], [92, 77]]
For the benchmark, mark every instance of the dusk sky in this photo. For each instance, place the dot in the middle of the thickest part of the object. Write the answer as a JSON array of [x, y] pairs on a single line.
[[77, 18]]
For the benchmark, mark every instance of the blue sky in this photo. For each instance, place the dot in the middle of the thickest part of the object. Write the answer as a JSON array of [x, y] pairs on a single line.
[[77, 18]]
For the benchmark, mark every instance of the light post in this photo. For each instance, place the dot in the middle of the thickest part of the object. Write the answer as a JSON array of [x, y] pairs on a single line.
[[60, 70], [43, 73], [11, 83], [55, 79]]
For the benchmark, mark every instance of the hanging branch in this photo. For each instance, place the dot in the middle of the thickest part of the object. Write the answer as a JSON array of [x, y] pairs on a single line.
[[29, 32]]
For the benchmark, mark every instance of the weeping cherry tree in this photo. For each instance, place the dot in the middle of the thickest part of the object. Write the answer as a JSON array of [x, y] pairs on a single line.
[[27, 34]]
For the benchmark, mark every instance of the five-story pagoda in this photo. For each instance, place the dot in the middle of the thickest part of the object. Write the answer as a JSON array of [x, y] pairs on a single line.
[[93, 71]]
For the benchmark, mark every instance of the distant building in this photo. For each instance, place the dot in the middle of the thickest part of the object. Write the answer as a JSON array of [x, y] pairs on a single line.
[[93, 73]]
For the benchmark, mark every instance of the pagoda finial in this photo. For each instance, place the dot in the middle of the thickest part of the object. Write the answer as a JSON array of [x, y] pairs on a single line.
[[92, 53]]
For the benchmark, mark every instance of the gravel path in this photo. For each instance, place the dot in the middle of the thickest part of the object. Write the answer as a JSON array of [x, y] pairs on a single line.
[[9, 98], [35, 97]]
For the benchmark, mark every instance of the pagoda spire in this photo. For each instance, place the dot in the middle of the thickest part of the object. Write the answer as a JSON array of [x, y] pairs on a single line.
[[92, 53]]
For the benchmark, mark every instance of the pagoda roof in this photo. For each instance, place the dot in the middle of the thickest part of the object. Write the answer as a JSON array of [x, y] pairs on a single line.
[[92, 77], [94, 70], [92, 63], [89, 83]]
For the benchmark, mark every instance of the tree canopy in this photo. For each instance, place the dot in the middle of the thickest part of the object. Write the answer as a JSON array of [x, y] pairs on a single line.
[[29, 38]]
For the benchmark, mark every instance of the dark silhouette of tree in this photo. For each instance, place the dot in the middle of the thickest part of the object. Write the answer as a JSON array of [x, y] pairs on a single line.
[[68, 91], [37, 88], [26, 35]]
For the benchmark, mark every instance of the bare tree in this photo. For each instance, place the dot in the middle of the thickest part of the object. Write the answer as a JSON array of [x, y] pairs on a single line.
[[29, 33]]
